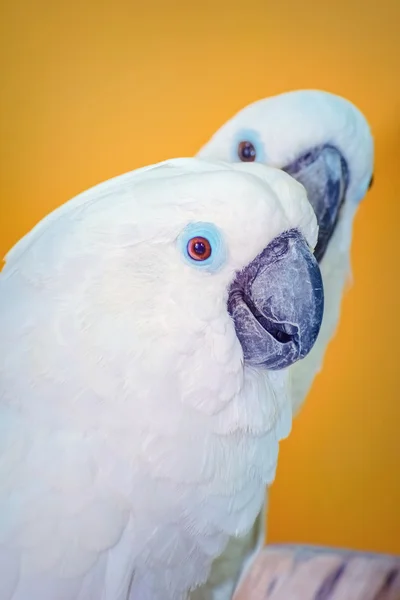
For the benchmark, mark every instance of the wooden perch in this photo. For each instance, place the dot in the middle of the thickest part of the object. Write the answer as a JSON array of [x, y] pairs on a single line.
[[289, 572]]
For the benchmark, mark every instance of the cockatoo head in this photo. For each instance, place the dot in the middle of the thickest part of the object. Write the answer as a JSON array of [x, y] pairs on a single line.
[[319, 138], [158, 254]]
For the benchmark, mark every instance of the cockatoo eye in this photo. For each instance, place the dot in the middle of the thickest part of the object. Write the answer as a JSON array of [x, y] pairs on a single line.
[[202, 246], [247, 152], [248, 146], [199, 248], [371, 182]]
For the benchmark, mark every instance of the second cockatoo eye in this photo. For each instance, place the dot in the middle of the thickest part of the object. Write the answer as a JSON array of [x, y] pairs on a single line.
[[247, 152], [371, 182], [202, 246], [248, 146]]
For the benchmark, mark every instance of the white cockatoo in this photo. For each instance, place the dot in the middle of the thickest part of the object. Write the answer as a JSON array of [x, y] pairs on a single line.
[[325, 142], [146, 326]]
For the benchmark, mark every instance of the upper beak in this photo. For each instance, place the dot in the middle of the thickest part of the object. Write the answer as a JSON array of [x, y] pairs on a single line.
[[277, 303], [324, 173]]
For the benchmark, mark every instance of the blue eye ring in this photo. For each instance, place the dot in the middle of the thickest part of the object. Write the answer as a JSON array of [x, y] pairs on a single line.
[[252, 138], [202, 246]]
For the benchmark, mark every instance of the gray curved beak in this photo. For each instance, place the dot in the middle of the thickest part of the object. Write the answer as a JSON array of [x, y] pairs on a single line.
[[324, 173], [277, 303]]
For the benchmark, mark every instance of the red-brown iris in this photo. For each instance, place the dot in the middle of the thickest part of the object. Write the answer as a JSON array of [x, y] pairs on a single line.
[[199, 248], [246, 152]]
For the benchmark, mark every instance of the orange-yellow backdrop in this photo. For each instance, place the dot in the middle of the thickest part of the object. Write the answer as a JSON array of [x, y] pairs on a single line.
[[92, 89]]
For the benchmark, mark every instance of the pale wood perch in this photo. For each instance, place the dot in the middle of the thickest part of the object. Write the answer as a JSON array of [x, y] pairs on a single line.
[[289, 572]]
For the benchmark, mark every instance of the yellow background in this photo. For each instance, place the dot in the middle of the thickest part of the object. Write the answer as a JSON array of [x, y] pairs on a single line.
[[92, 89]]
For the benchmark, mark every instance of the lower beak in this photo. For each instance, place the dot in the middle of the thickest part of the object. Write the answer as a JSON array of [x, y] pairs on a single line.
[[277, 302]]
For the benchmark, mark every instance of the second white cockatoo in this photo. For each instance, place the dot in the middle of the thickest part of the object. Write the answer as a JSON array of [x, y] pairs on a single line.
[[324, 142]]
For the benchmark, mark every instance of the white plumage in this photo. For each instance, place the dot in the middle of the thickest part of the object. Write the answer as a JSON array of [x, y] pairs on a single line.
[[133, 441], [281, 129]]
